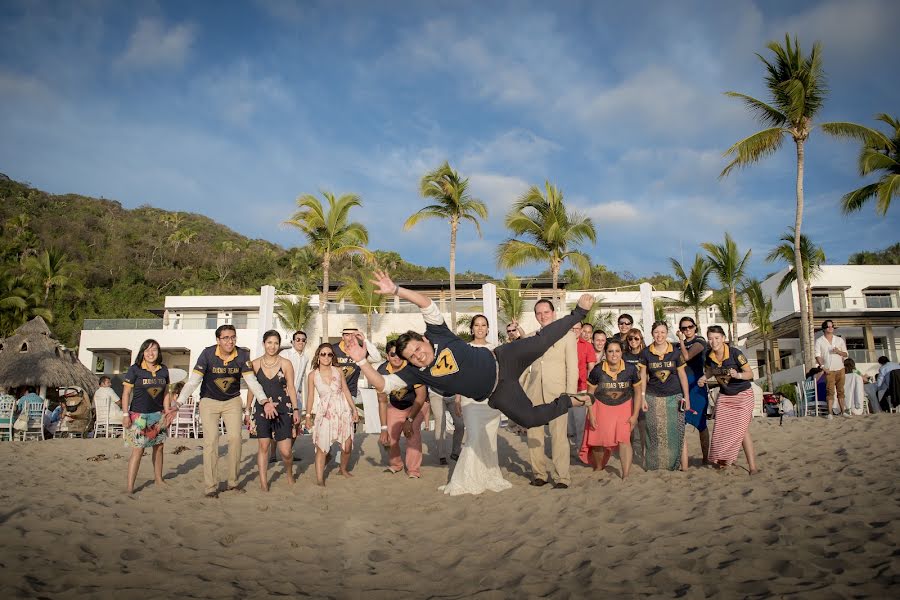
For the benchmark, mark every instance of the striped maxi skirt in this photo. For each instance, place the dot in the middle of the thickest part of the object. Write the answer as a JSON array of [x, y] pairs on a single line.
[[665, 432], [733, 415]]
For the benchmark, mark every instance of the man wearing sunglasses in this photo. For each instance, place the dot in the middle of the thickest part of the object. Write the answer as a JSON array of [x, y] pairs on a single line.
[[625, 322]]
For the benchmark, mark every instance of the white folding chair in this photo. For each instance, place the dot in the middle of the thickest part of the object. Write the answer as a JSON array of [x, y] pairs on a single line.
[[7, 408], [184, 424], [813, 405], [35, 428]]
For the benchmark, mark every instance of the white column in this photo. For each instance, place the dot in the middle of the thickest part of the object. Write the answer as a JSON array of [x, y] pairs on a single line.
[[647, 308], [266, 314], [489, 308]]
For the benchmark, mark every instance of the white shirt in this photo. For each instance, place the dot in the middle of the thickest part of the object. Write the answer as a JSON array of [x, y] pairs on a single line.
[[299, 361], [108, 398], [830, 360]]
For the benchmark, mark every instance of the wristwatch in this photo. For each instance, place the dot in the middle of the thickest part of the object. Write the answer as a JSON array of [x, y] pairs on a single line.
[[409, 419]]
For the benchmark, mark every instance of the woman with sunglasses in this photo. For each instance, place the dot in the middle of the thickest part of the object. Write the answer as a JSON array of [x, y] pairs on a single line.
[[631, 354], [274, 416], [693, 349], [616, 386], [477, 469], [401, 412], [727, 366], [667, 399], [331, 410]]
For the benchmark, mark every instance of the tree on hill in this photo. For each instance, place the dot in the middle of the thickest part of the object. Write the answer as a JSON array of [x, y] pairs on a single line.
[[888, 256]]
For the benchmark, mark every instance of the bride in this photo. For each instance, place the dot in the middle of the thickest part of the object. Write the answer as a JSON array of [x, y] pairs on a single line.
[[477, 469]]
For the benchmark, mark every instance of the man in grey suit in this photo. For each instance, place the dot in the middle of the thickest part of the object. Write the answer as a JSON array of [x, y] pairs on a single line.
[[555, 373]]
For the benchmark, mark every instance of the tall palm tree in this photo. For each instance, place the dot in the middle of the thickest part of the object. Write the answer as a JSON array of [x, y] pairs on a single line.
[[812, 258], [329, 233], [721, 299], [509, 296], [880, 154], [543, 230], [694, 284], [726, 262], [452, 202], [796, 84], [293, 314], [362, 293], [51, 270], [761, 317], [18, 303]]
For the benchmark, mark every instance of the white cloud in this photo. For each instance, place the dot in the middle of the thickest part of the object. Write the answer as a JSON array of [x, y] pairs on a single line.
[[152, 45], [520, 147], [240, 92], [617, 210], [497, 191]]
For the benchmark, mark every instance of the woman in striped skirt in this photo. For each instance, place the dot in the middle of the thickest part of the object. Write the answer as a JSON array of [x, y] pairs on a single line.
[[666, 399], [727, 366]]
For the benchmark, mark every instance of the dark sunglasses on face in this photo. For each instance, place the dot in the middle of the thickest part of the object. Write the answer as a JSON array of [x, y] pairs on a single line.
[[634, 339], [687, 327], [392, 354], [301, 340], [326, 354], [624, 323]]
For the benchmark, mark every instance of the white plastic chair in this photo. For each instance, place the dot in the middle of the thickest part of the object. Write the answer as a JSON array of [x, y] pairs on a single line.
[[103, 425], [35, 410], [185, 422], [813, 406], [7, 408]]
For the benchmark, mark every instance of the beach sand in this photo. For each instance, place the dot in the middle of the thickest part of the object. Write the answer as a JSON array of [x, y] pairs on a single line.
[[820, 520]]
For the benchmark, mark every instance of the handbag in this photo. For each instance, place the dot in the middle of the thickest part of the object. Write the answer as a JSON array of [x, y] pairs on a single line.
[[21, 422]]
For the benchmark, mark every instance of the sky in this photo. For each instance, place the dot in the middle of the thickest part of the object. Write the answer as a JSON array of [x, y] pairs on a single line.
[[235, 109]]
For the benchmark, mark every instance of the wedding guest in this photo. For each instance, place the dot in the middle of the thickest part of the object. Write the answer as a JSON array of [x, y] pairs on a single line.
[[598, 339], [631, 353], [624, 322], [616, 386], [586, 359], [402, 412], [667, 399], [331, 411], [147, 410], [692, 348], [727, 366], [273, 416]]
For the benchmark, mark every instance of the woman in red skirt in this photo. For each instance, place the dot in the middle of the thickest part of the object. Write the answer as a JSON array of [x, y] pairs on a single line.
[[727, 366], [616, 387]]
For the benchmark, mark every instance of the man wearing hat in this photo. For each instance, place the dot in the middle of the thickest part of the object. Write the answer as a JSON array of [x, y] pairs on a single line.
[[346, 364]]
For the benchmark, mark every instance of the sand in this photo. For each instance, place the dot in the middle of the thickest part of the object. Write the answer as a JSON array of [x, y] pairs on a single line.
[[820, 520]]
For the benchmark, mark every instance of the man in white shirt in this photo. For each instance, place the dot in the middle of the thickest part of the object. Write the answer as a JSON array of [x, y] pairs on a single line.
[[883, 380], [296, 354], [831, 350], [107, 401]]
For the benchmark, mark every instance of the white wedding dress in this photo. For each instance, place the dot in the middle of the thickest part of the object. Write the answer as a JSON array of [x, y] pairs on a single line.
[[477, 469]]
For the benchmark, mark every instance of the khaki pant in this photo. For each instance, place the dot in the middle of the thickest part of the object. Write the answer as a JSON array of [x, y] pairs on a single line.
[[231, 412], [835, 379], [559, 450]]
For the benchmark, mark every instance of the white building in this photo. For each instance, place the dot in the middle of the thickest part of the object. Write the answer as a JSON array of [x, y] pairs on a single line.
[[862, 300]]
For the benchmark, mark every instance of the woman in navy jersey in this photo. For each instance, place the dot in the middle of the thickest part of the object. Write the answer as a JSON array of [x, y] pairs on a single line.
[[693, 349], [146, 407]]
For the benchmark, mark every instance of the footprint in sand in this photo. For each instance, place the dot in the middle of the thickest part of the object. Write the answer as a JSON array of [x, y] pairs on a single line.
[[131, 554], [180, 449], [97, 458]]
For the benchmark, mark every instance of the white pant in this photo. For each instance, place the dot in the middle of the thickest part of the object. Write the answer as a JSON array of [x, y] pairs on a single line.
[[442, 408]]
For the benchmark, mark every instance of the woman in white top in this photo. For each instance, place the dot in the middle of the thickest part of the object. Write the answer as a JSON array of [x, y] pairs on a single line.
[[477, 469]]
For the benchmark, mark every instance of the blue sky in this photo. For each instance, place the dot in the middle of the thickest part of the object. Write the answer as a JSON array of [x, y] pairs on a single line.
[[234, 109]]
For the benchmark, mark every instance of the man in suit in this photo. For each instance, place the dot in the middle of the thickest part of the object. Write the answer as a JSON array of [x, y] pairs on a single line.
[[556, 372]]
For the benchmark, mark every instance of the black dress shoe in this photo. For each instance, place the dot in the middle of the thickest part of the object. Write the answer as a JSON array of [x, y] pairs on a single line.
[[538, 482], [443, 461], [560, 486]]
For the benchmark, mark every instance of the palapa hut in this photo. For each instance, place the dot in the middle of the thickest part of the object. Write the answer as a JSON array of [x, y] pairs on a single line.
[[32, 356]]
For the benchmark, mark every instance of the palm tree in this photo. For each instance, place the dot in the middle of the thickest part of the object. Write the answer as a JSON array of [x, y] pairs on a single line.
[[18, 304], [330, 233], [452, 202], [694, 284], [51, 270], [509, 295], [362, 293], [812, 258], [726, 262], [549, 232], [293, 314], [761, 318], [721, 299], [797, 87], [880, 154]]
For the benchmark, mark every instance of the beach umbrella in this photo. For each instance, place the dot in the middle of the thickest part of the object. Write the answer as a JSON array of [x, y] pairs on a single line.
[[32, 356]]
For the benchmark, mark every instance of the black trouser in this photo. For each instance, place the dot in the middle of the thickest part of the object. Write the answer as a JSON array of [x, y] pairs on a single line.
[[512, 360]]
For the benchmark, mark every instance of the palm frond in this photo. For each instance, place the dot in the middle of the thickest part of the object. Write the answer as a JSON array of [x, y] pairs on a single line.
[[765, 113], [754, 148], [853, 201], [862, 133]]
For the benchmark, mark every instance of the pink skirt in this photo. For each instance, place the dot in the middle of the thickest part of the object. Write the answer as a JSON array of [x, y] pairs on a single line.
[[733, 415], [612, 429]]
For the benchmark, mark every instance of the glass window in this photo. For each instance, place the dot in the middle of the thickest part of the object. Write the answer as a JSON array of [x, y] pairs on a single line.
[[239, 320], [212, 320], [880, 300]]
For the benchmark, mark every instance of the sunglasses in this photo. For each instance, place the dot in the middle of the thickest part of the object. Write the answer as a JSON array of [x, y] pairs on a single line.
[[624, 323], [392, 354], [634, 339], [326, 353], [688, 327], [301, 340]]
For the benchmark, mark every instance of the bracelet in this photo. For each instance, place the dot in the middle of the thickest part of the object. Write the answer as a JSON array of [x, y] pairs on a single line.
[[297, 409], [396, 289], [384, 427]]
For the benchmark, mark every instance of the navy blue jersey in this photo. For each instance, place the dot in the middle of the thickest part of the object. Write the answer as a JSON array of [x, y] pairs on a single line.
[[731, 359], [662, 370], [148, 387], [614, 387], [222, 374]]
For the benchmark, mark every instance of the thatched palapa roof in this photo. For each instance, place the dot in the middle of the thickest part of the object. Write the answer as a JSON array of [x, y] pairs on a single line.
[[32, 356]]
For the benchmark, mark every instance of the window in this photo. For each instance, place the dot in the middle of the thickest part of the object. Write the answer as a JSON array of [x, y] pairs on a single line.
[[212, 320], [827, 301], [239, 320], [879, 300]]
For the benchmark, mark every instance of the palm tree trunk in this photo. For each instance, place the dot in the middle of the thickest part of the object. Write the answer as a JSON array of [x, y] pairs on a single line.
[[454, 226], [323, 301], [369, 323], [805, 340], [768, 366], [554, 273], [697, 319], [811, 324], [733, 293]]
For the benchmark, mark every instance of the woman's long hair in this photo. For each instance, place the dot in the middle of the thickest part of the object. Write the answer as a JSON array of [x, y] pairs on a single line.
[[323, 345]]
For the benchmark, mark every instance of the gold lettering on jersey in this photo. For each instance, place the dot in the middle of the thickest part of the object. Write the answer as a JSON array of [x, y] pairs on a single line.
[[154, 392], [399, 394], [224, 370], [348, 371], [722, 374], [445, 364], [224, 383]]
